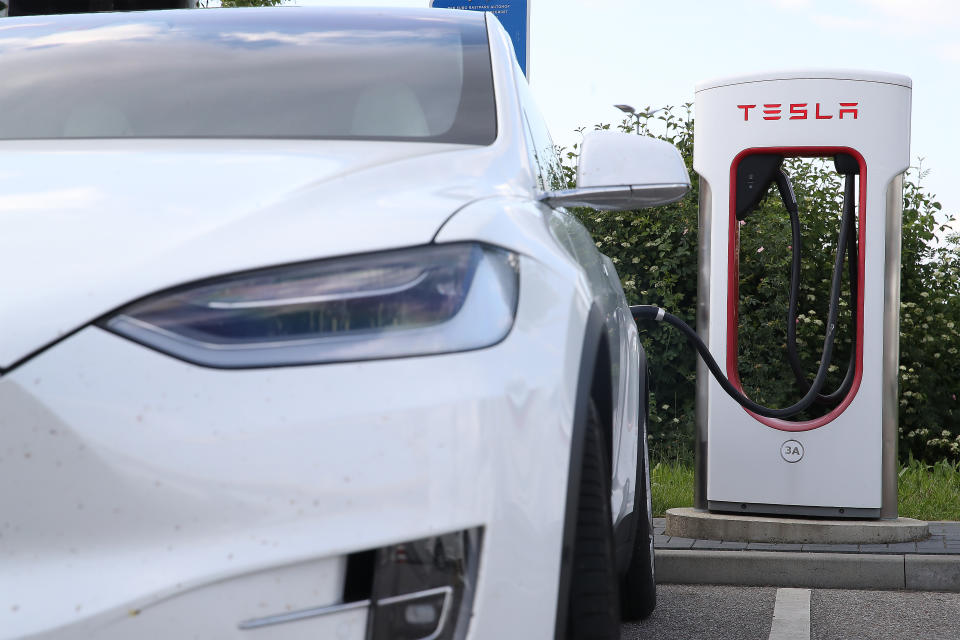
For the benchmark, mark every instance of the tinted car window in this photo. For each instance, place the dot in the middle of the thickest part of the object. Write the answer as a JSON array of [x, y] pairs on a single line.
[[289, 72]]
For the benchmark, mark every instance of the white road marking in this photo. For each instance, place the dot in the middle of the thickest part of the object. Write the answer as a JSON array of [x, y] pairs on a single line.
[[791, 615]]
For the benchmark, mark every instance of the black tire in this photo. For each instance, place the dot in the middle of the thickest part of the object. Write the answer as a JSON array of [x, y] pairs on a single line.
[[593, 612], [638, 589]]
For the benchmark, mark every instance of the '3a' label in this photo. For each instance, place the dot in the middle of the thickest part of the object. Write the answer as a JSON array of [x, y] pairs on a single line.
[[791, 451]]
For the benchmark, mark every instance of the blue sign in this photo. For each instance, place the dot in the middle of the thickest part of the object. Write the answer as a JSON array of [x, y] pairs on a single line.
[[514, 15]]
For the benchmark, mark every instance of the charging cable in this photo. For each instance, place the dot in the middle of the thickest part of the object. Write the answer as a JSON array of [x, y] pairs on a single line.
[[846, 245]]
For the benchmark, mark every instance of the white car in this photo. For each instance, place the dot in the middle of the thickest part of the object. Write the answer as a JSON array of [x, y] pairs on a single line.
[[297, 339]]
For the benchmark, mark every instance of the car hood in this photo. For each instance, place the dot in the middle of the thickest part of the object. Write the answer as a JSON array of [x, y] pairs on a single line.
[[88, 226]]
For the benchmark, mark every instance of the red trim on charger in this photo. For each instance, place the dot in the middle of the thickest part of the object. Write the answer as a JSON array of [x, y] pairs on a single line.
[[733, 283]]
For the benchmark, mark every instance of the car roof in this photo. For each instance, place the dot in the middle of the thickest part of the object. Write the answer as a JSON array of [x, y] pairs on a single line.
[[260, 18]]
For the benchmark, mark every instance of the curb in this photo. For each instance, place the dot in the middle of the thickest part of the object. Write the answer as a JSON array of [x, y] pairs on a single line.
[[685, 522], [809, 570]]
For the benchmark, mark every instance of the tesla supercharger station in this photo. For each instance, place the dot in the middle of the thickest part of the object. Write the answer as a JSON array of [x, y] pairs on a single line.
[[842, 464]]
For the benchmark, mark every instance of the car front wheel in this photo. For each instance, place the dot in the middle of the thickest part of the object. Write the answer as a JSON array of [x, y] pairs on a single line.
[[638, 591], [593, 612]]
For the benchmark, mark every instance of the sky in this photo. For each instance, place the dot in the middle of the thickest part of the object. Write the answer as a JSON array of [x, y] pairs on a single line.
[[587, 55]]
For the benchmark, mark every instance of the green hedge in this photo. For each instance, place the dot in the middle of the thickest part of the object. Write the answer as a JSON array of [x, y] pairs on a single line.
[[655, 252]]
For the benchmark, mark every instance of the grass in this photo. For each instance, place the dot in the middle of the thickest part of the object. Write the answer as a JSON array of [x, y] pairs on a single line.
[[671, 485], [930, 492], [926, 492]]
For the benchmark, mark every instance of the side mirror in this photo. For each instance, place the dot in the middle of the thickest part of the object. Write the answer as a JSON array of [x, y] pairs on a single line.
[[624, 171]]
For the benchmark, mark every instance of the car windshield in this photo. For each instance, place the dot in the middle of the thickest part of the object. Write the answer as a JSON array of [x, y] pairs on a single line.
[[416, 75]]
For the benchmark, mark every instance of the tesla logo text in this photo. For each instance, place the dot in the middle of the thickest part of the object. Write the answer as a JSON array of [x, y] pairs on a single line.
[[799, 111]]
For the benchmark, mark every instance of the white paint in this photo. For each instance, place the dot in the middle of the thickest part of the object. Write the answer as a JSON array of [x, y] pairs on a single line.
[[134, 216], [841, 465], [155, 498], [617, 158], [791, 615]]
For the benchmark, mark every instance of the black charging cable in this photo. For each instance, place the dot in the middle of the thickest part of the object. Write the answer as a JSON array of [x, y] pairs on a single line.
[[846, 246], [790, 203]]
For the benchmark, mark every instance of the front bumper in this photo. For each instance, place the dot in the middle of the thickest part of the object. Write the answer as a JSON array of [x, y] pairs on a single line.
[[144, 496]]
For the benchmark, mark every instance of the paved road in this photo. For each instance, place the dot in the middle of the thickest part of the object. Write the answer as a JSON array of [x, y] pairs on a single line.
[[884, 614], [686, 612]]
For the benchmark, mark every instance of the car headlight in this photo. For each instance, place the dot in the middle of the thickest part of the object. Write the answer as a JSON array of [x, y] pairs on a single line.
[[426, 300]]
